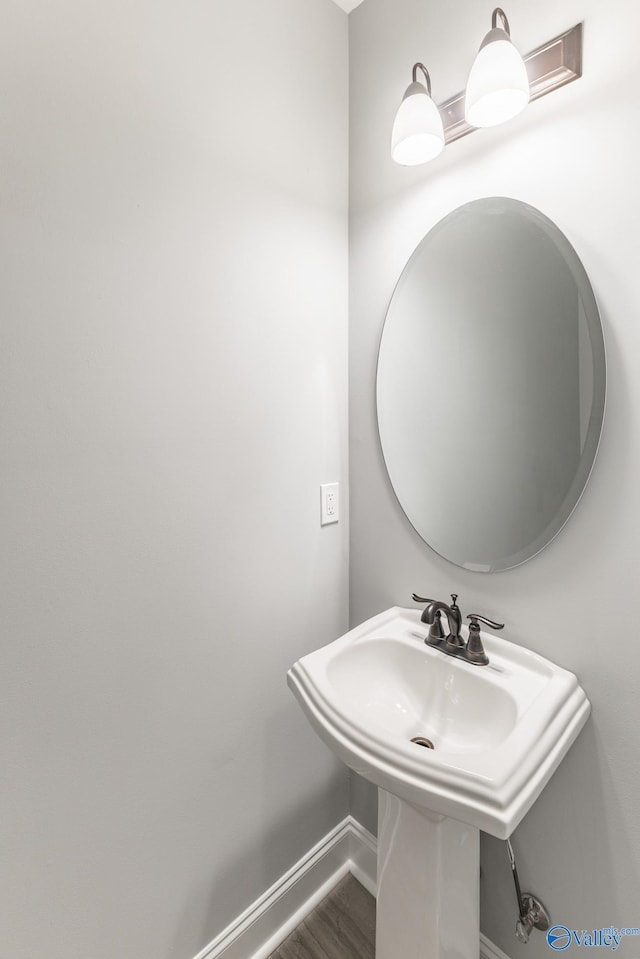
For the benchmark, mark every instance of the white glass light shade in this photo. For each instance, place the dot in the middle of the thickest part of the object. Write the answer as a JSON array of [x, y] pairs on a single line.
[[418, 135], [498, 86]]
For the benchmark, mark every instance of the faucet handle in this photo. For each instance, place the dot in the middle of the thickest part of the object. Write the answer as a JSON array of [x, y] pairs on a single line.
[[423, 599], [436, 632], [420, 599], [475, 650], [475, 618]]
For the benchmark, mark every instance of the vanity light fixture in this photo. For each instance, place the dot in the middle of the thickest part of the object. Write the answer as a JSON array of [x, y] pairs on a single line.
[[548, 67], [498, 85], [418, 134]]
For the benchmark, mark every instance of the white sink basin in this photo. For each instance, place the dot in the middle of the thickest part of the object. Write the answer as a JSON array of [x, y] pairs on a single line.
[[499, 731]]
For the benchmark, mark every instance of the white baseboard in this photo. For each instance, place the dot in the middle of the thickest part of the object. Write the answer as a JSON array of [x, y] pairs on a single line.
[[269, 920], [489, 950], [363, 856]]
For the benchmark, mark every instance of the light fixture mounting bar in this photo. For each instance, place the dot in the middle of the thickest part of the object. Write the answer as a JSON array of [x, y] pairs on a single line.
[[548, 67]]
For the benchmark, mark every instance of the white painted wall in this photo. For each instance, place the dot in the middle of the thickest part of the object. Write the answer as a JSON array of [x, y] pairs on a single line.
[[348, 5], [173, 203], [575, 155]]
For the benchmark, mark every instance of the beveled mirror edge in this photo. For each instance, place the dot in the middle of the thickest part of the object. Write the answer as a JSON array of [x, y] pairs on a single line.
[[596, 331]]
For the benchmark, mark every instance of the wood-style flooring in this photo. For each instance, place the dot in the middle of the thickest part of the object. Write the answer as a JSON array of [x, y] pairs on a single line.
[[342, 926]]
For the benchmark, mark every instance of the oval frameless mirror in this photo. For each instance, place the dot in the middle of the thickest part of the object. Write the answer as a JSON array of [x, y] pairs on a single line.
[[491, 384]]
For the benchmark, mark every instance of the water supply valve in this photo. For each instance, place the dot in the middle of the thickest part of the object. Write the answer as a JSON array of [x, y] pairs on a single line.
[[535, 917], [532, 914]]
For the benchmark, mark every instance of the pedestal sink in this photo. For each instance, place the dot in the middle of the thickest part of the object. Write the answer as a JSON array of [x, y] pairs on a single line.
[[454, 748]]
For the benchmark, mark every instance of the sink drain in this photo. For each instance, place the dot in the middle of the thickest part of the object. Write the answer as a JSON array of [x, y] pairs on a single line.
[[423, 741]]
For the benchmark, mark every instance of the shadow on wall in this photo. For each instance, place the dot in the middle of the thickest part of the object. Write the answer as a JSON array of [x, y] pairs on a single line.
[[262, 855], [580, 794]]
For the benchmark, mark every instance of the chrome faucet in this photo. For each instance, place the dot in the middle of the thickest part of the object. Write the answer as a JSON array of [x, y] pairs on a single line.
[[453, 644]]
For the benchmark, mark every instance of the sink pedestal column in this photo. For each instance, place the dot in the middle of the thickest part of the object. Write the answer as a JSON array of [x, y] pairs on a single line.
[[428, 884]]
